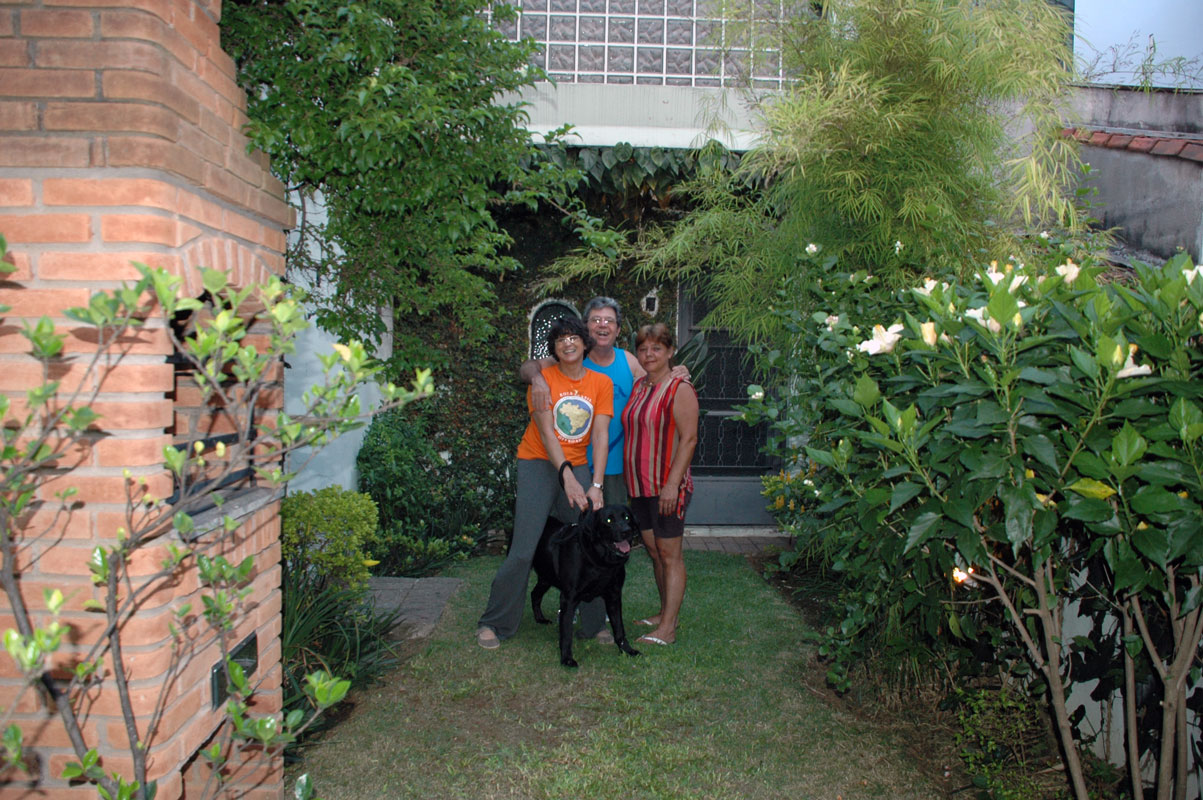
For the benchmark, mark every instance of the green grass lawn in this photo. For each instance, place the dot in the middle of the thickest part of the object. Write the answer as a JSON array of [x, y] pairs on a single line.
[[720, 714]]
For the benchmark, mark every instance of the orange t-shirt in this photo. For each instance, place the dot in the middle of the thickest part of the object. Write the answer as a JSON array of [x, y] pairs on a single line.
[[573, 406]]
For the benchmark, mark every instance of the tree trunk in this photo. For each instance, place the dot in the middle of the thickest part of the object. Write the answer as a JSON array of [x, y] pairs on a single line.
[[1131, 734]]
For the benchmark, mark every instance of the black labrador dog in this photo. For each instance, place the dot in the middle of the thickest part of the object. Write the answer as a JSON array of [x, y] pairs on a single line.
[[584, 560]]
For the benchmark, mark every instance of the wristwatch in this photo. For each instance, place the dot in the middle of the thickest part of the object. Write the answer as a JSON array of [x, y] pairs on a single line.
[[596, 485]]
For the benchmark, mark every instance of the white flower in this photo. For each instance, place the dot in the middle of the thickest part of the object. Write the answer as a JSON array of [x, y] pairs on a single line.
[[758, 394], [1016, 282], [1130, 369], [928, 285], [1043, 234], [831, 321], [1191, 274], [992, 274], [883, 340], [897, 248], [1069, 271], [928, 331], [979, 315], [812, 248]]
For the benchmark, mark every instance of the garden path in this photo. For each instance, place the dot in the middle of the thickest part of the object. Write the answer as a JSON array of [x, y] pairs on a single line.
[[421, 600]]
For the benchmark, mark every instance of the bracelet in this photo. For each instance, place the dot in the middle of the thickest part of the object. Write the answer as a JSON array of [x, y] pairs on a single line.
[[596, 485], [560, 471]]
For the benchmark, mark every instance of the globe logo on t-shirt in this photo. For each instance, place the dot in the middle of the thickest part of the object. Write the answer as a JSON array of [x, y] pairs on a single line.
[[573, 415]]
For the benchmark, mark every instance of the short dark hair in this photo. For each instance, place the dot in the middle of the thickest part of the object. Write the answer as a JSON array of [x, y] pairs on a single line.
[[657, 332], [567, 326]]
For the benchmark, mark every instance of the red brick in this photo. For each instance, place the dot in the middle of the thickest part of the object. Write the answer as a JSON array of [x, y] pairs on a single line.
[[100, 266], [21, 373], [48, 82], [200, 210], [106, 488], [125, 55], [73, 524], [1119, 141], [203, 145], [144, 228], [16, 192], [6, 24], [28, 302], [113, 192], [22, 263], [47, 228], [142, 151], [74, 597], [44, 151], [133, 24], [1142, 144], [18, 116], [225, 184], [64, 558], [143, 341], [1194, 152], [14, 53], [1099, 138], [123, 85], [127, 377], [57, 24], [146, 452], [131, 415], [1169, 147], [111, 117]]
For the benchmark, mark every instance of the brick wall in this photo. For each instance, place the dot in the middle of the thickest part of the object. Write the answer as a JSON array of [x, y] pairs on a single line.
[[119, 141]]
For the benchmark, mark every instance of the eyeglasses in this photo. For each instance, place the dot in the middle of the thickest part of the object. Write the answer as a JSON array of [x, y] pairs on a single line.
[[570, 339], [603, 321]]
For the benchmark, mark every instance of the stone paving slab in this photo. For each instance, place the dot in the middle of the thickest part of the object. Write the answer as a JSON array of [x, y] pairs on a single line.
[[421, 601]]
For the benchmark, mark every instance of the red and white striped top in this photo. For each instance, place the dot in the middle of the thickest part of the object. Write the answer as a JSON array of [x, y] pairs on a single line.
[[649, 431]]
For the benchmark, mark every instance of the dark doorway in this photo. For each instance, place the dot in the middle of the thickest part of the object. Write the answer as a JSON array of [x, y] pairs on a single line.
[[730, 459]]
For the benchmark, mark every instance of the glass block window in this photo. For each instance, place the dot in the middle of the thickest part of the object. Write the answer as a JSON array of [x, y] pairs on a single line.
[[652, 42]]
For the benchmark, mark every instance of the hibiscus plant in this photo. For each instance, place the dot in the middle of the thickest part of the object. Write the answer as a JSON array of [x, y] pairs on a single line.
[[987, 458]]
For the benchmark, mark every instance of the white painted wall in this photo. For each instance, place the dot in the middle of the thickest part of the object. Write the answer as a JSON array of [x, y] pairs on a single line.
[[334, 464], [1175, 25]]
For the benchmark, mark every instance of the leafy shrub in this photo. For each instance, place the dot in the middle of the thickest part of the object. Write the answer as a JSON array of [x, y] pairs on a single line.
[[327, 623], [330, 627], [990, 452], [323, 535], [429, 513]]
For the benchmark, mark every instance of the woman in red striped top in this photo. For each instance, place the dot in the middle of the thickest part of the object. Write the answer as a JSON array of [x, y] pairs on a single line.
[[660, 423]]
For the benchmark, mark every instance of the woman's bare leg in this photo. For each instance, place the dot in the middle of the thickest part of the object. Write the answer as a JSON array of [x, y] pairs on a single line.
[[653, 552]]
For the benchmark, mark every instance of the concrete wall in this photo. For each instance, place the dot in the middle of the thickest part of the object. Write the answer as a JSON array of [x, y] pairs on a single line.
[[1146, 154]]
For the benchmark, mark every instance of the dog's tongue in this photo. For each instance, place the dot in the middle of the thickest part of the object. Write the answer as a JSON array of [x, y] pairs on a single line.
[[623, 546]]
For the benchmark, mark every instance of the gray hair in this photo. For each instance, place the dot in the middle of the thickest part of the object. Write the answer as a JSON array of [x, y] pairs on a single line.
[[602, 302]]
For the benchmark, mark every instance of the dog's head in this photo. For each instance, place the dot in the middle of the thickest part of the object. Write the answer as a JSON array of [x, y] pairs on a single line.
[[610, 532]]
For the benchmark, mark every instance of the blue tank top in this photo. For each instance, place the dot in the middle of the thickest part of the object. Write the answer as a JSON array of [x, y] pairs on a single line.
[[619, 373]]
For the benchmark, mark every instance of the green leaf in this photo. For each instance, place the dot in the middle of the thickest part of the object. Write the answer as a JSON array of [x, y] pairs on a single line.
[[1126, 566], [903, 493], [925, 526], [1084, 362], [1155, 500], [1041, 448], [1153, 544], [1087, 509], [866, 393], [1088, 487], [1127, 447]]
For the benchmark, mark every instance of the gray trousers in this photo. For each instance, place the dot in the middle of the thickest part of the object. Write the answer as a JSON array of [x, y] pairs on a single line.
[[539, 496]]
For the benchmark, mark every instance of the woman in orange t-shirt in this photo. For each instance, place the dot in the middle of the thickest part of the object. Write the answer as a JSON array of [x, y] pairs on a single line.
[[552, 470]]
